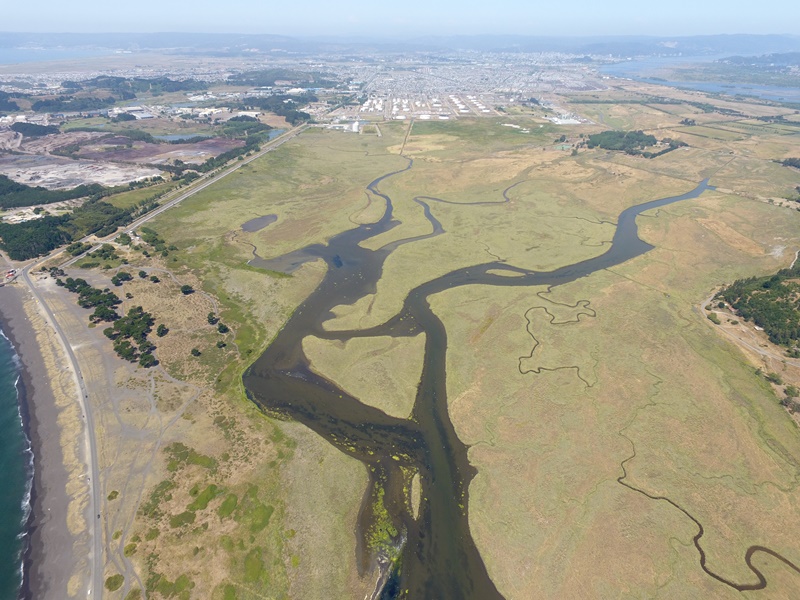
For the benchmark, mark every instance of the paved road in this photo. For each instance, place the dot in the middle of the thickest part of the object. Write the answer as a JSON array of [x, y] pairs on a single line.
[[96, 560]]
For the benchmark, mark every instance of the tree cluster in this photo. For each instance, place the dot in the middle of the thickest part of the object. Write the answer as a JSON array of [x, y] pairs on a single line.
[[34, 130], [268, 77], [33, 238], [120, 277], [105, 252], [98, 217], [772, 303], [14, 195], [77, 248], [710, 108], [128, 87], [243, 127], [40, 236], [72, 104], [791, 162], [7, 104], [103, 301], [671, 145], [285, 106], [94, 92], [250, 144], [150, 236], [129, 335], [121, 117], [630, 142]]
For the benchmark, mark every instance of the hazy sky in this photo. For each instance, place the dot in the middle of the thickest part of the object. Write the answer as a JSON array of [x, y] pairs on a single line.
[[407, 17]]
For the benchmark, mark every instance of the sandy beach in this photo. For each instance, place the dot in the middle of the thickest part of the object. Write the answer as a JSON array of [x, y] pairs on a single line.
[[56, 563]]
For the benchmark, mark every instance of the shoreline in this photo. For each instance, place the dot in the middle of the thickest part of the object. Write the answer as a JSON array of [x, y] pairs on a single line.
[[26, 591], [47, 561], [29, 426], [21, 385]]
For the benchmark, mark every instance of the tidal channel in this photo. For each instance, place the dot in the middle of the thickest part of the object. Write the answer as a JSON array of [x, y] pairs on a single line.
[[435, 556]]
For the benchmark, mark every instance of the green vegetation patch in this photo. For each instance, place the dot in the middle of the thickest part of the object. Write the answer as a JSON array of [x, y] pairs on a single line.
[[180, 455], [382, 532], [253, 512], [227, 507], [135, 197], [259, 517], [180, 588], [228, 592], [206, 496], [253, 565], [152, 507], [715, 133], [185, 518], [114, 582]]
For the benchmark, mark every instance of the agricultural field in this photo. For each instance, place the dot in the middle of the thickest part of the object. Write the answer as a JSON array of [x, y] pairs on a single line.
[[623, 444]]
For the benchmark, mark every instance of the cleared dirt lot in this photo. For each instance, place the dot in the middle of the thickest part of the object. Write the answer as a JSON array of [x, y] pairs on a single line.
[[116, 149], [55, 172]]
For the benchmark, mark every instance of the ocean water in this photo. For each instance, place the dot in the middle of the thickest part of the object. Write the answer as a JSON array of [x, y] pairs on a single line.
[[16, 466], [11, 56]]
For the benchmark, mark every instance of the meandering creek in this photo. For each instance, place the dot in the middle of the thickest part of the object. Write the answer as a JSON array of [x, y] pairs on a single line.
[[438, 558]]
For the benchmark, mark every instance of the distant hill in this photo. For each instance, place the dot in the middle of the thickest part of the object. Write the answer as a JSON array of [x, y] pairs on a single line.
[[698, 45], [786, 59], [223, 44]]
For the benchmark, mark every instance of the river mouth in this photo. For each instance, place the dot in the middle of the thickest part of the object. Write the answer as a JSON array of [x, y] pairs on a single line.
[[431, 555]]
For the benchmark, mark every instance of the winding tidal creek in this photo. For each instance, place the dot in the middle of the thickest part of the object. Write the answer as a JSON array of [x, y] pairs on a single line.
[[433, 555]]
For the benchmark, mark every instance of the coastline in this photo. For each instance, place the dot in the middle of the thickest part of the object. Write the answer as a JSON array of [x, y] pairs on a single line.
[[23, 384], [49, 559], [28, 499]]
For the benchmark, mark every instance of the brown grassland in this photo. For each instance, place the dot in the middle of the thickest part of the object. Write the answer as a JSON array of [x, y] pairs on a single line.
[[577, 402]]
